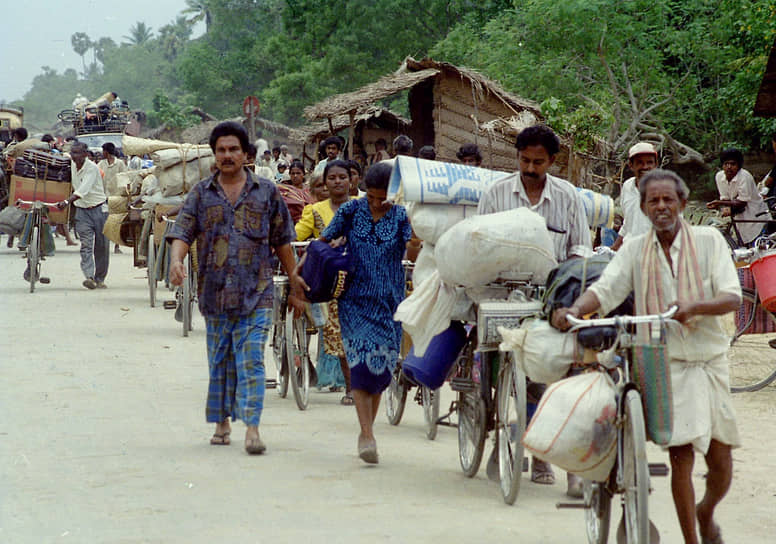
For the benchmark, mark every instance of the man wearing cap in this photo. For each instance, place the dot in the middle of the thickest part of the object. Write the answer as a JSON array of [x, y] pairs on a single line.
[[642, 157]]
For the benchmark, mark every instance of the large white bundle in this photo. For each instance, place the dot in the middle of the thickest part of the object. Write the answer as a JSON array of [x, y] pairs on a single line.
[[437, 182], [167, 158], [426, 312], [425, 264], [430, 221], [574, 426], [131, 145], [542, 352], [180, 178], [483, 248]]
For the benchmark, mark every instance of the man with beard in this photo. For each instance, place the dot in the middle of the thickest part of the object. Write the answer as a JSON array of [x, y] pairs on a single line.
[[558, 202]]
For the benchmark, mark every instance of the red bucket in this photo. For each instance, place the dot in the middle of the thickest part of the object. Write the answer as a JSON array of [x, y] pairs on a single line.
[[764, 272]]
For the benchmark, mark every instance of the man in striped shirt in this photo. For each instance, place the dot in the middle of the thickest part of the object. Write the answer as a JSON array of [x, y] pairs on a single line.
[[553, 198], [558, 202]]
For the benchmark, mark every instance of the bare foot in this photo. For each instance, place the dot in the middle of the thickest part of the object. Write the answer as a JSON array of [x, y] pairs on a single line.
[[709, 531]]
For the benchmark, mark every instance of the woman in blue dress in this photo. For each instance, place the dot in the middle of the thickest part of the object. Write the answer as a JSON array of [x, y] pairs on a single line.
[[377, 234]]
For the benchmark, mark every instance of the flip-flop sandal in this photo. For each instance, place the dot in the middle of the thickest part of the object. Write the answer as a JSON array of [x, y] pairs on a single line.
[[716, 539], [368, 452], [254, 446], [347, 400], [221, 439], [541, 473]]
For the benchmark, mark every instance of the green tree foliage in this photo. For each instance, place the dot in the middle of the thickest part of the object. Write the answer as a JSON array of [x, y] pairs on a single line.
[[686, 71], [139, 34], [81, 44]]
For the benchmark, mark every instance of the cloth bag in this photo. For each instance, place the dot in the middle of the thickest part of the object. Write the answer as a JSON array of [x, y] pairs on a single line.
[[11, 220], [327, 271], [574, 426], [652, 375], [543, 353]]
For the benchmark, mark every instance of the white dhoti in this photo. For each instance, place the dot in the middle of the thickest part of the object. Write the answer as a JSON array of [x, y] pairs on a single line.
[[703, 405]]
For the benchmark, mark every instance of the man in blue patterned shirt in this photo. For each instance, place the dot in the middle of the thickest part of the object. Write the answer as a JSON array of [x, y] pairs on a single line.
[[237, 220]]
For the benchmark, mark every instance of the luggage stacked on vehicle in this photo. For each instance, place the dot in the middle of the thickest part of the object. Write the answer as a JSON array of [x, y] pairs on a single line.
[[38, 164]]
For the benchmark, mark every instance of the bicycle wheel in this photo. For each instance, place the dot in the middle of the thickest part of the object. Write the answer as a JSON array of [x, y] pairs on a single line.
[[472, 428], [635, 471], [297, 349], [430, 400], [151, 264], [396, 396], [752, 360], [598, 511], [186, 299], [279, 354], [33, 257], [511, 426]]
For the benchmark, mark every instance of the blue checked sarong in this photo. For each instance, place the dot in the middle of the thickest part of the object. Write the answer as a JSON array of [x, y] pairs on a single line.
[[235, 352]]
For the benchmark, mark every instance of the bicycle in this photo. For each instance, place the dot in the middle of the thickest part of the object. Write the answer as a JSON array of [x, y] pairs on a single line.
[[185, 293], [33, 253], [630, 477], [491, 395], [290, 341], [751, 367], [396, 393]]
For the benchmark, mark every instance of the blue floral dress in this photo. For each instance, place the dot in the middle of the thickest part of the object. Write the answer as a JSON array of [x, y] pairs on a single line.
[[370, 335]]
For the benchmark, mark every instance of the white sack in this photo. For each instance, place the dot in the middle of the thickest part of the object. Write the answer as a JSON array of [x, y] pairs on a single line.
[[483, 248], [167, 158], [426, 312], [574, 426], [438, 182], [542, 352], [132, 145], [179, 179], [430, 221], [425, 264]]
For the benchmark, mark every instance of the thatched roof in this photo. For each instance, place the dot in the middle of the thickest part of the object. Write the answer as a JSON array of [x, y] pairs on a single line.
[[481, 84], [384, 87], [317, 131], [765, 105], [408, 75]]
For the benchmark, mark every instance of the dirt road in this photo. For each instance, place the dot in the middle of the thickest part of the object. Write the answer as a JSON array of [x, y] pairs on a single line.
[[105, 441]]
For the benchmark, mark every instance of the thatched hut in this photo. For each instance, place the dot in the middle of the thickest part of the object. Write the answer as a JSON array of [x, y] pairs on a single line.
[[368, 124], [447, 105]]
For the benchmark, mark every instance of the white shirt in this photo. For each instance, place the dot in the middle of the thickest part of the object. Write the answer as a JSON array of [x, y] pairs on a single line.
[[559, 204], [634, 221], [261, 146], [742, 187], [705, 338], [111, 172], [87, 184]]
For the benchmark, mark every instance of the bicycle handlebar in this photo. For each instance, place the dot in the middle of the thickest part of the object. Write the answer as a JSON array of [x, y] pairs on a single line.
[[620, 320], [34, 202]]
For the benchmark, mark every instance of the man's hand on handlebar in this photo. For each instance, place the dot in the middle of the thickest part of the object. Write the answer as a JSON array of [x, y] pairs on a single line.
[[559, 320]]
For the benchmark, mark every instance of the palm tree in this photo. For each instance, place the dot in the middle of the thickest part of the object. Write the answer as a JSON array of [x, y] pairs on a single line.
[[81, 44], [139, 33], [201, 12], [173, 36]]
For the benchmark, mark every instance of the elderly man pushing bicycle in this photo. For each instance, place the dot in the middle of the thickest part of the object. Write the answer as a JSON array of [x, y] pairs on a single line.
[[675, 263]]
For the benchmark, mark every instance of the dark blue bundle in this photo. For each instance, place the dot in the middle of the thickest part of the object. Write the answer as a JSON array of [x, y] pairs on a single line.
[[327, 271]]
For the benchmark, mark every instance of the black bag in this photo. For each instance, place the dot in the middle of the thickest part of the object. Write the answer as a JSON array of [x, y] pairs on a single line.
[[569, 280], [327, 271]]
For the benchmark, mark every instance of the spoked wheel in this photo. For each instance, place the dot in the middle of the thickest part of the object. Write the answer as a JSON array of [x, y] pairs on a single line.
[[472, 428], [396, 396], [511, 426], [151, 263], [279, 354], [752, 360], [297, 349], [635, 472], [430, 400], [33, 257], [598, 510]]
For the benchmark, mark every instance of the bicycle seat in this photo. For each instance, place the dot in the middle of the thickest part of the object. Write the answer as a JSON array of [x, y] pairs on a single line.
[[597, 338]]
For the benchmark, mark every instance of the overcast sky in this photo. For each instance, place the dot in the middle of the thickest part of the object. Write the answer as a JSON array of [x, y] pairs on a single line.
[[36, 34]]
